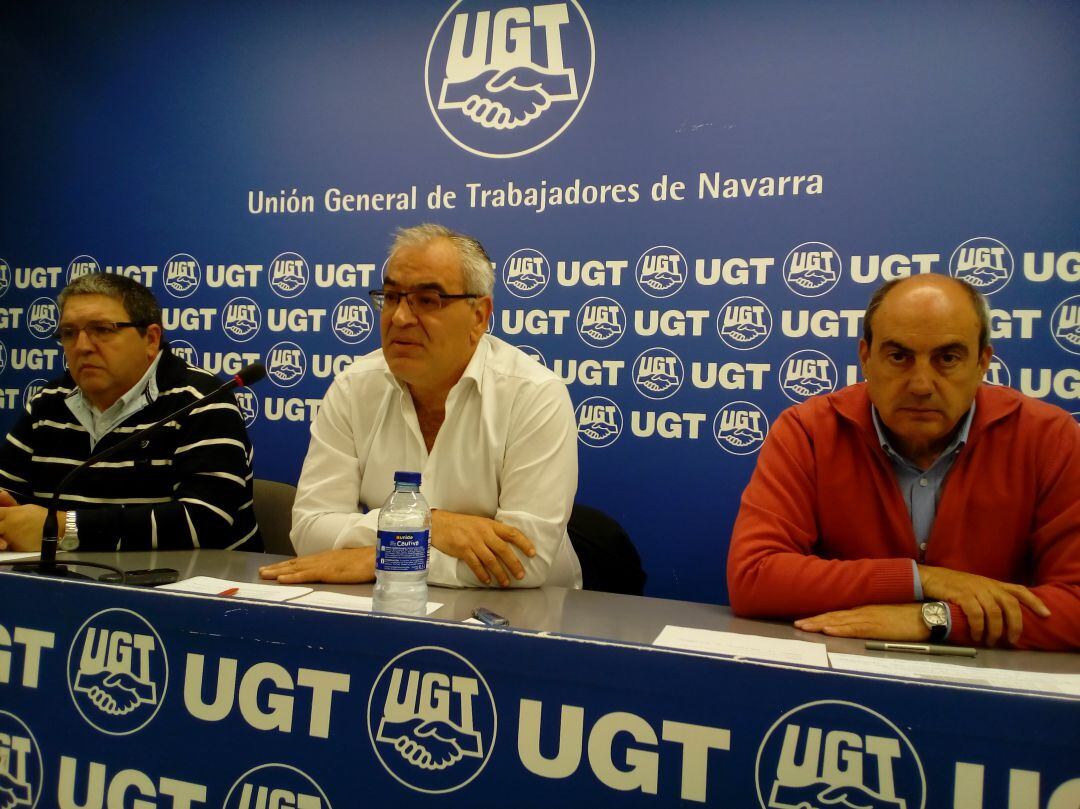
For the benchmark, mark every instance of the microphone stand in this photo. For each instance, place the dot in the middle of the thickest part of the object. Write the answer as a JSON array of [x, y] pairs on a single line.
[[46, 564]]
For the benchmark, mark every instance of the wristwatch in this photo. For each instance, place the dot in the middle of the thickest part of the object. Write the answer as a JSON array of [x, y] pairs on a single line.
[[70, 540], [935, 615]]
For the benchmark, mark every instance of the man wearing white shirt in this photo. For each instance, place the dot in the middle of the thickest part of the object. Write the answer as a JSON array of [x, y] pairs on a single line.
[[491, 431]]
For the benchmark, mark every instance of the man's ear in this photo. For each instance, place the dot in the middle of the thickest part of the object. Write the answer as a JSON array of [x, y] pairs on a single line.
[[153, 340], [482, 314], [864, 356]]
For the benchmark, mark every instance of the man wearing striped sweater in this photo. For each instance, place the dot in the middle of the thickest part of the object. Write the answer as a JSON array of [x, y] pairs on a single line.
[[189, 485]]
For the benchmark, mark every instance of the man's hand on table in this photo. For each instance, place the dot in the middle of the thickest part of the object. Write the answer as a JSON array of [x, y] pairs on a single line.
[[902, 622], [990, 605], [20, 526], [344, 566], [485, 545]]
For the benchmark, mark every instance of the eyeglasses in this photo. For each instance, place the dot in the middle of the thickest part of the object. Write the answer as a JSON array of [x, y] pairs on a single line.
[[99, 331], [421, 301]]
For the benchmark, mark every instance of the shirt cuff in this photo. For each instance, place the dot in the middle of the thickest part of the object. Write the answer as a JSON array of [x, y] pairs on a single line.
[[918, 581]]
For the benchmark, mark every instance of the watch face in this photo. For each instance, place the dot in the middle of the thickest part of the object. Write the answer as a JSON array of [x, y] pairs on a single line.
[[934, 613], [69, 543]]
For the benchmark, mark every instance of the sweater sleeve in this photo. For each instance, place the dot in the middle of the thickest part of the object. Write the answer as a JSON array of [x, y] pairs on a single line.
[[1054, 545], [772, 567]]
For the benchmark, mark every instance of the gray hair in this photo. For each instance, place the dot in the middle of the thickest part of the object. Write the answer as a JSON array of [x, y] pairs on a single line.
[[978, 303], [476, 269], [138, 301]]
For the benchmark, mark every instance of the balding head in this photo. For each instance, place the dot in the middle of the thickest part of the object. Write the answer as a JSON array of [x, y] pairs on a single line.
[[930, 288]]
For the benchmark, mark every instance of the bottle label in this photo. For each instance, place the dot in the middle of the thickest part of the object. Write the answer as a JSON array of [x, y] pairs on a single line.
[[402, 551]]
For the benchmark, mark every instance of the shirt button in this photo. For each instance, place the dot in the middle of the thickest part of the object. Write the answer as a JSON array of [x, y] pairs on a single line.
[[923, 481], [922, 546]]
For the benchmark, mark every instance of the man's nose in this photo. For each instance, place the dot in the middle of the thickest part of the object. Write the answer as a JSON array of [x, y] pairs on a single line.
[[83, 341], [921, 380], [403, 313]]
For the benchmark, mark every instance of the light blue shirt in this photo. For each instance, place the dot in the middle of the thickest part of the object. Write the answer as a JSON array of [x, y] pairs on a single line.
[[922, 487], [98, 423]]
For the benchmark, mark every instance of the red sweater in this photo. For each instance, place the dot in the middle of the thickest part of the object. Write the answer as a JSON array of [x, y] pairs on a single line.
[[823, 525]]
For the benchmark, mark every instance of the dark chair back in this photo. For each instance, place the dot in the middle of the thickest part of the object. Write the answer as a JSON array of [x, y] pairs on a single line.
[[609, 561]]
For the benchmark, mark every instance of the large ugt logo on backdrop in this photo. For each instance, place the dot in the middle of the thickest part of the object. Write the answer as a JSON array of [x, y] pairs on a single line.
[[506, 81]]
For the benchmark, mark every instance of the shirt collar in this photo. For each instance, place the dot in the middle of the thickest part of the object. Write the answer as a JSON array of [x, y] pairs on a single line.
[[959, 439]]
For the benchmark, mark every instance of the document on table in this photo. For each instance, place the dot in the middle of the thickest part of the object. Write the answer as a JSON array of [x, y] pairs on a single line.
[[14, 556], [207, 585], [755, 647], [343, 601], [951, 672]]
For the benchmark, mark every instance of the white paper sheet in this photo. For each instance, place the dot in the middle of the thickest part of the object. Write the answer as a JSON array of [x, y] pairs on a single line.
[[208, 585], [343, 601], [951, 672], [14, 556], [800, 652]]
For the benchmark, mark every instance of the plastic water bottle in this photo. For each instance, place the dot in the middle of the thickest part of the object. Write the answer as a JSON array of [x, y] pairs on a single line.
[[401, 557]]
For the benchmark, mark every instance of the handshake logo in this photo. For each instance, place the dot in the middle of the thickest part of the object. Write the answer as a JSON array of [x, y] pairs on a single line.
[[983, 262], [20, 764], [838, 755], [431, 720], [807, 373], [1065, 324], [504, 80], [117, 671]]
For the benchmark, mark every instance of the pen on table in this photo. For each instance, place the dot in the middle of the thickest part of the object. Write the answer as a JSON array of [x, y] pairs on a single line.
[[230, 592], [920, 648]]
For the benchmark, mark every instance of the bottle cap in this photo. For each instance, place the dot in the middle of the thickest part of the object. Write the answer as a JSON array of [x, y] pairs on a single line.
[[412, 478]]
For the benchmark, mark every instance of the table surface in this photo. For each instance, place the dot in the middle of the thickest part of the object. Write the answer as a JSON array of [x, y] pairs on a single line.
[[581, 613]]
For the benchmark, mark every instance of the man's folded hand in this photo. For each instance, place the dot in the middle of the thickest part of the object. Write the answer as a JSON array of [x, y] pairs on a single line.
[[992, 607], [485, 545]]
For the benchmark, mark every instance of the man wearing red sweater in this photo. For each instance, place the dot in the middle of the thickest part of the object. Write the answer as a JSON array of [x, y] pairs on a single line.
[[920, 504]]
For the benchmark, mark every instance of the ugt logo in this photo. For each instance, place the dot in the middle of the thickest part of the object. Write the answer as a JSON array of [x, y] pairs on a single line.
[[658, 373], [80, 266], [352, 321], [32, 389], [432, 720], [661, 271], [812, 269], [599, 422], [985, 263], [5, 277], [1065, 324], [41, 318], [276, 786], [740, 428], [744, 323], [241, 319], [182, 275], [286, 364], [832, 754], [526, 273], [504, 80], [248, 404], [289, 275], [601, 322], [185, 351], [117, 671], [20, 764], [807, 373]]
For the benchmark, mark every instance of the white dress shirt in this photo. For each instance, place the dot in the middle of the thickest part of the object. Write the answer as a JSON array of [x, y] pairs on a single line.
[[507, 450]]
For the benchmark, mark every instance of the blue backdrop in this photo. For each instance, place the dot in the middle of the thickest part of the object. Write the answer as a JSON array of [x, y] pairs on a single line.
[[688, 203]]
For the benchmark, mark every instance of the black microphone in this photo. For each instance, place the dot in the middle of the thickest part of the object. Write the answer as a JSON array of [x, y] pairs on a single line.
[[46, 564]]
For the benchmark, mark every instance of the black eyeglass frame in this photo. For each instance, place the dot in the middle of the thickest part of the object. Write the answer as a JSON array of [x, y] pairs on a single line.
[[378, 297], [117, 325]]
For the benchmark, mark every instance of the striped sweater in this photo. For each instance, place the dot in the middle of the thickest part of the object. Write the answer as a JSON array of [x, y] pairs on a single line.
[[189, 485]]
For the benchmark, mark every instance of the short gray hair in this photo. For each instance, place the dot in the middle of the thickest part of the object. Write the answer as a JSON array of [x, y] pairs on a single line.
[[476, 269], [138, 301], [978, 303]]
